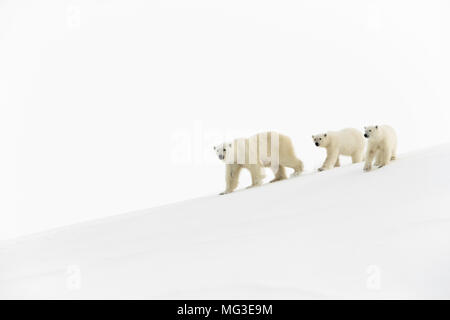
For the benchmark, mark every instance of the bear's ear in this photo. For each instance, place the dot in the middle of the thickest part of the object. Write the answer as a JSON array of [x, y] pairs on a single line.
[[214, 147], [365, 128], [229, 145], [325, 135], [313, 137], [376, 127]]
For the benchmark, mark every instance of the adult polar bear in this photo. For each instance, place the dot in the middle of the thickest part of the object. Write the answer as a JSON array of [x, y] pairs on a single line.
[[382, 146], [266, 149], [347, 142]]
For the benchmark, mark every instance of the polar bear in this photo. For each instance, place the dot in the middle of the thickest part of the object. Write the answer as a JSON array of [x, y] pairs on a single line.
[[382, 146], [346, 142], [266, 149]]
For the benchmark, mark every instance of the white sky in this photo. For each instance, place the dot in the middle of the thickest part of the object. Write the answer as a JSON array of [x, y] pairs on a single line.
[[110, 106]]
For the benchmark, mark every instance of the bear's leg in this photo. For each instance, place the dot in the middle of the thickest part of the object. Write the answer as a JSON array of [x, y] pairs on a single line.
[[379, 158], [358, 157], [232, 178], [371, 153], [386, 158], [294, 163], [280, 174], [338, 163], [394, 154], [255, 171], [330, 161]]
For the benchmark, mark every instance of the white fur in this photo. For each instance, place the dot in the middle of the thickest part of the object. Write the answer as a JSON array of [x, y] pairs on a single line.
[[382, 146], [346, 142], [267, 149]]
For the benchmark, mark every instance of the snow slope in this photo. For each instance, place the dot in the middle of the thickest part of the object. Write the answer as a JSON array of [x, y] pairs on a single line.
[[338, 234]]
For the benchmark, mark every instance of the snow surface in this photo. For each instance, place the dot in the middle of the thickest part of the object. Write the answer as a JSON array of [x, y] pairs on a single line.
[[338, 234]]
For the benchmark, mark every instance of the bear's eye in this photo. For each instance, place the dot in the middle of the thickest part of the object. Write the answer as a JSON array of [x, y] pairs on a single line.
[[320, 138], [223, 149], [370, 130]]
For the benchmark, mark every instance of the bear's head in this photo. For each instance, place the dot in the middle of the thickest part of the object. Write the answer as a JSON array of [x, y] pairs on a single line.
[[221, 150], [321, 140], [371, 132]]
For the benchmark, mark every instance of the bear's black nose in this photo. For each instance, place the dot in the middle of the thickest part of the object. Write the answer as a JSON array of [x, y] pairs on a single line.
[[221, 157], [365, 135], [317, 144]]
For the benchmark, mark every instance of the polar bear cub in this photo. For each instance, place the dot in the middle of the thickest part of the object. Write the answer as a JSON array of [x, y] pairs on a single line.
[[346, 142], [266, 149], [382, 146]]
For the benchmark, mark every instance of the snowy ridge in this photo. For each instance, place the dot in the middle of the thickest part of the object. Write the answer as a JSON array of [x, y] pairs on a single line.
[[338, 234]]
